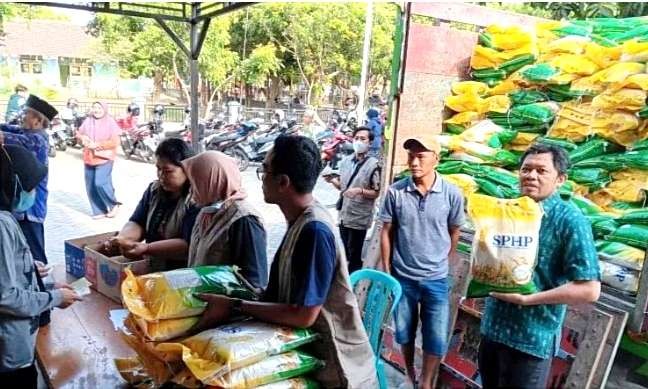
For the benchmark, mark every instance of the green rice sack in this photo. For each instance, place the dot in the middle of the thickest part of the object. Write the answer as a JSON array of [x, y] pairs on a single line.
[[273, 369], [631, 234]]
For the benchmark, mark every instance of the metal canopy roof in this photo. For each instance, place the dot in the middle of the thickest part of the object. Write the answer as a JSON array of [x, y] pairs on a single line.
[[174, 11], [196, 14]]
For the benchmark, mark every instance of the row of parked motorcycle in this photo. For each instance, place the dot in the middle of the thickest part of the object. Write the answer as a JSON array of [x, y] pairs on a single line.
[[137, 140], [247, 141], [251, 140]]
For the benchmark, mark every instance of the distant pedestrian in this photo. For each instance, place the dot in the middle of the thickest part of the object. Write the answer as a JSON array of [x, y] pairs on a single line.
[[374, 123], [15, 104], [99, 135], [359, 185]]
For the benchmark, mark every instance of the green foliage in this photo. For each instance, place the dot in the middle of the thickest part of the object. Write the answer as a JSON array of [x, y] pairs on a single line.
[[260, 65], [318, 43], [563, 10], [521, 8]]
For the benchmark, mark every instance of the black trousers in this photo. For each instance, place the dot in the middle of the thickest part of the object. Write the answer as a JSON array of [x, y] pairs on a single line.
[[35, 236], [501, 366], [353, 241], [27, 378]]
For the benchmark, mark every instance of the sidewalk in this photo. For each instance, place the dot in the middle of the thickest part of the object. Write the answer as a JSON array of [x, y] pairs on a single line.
[[69, 211]]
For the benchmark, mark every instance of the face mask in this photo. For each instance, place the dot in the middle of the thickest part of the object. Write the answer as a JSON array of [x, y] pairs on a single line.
[[360, 147], [23, 200], [214, 207]]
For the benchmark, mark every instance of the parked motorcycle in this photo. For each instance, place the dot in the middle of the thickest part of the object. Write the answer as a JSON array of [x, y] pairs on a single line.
[[72, 119], [340, 145], [141, 140], [51, 149], [232, 142], [58, 134], [286, 127]]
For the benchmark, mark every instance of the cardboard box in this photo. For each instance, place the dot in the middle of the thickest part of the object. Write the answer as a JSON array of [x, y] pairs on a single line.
[[110, 271], [75, 261]]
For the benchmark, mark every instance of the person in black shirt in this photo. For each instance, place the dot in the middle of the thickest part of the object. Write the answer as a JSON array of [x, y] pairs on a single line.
[[161, 225]]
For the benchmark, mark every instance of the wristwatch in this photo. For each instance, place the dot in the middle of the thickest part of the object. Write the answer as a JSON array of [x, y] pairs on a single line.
[[235, 307]]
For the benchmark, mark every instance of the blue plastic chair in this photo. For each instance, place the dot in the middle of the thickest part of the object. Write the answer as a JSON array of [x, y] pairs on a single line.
[[381, 297]]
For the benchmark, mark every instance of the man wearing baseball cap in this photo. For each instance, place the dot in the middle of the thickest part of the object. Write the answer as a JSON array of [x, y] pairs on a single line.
[[31, 135], [421, 218]]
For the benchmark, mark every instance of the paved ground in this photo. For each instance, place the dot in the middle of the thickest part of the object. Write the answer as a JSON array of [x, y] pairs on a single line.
[[69, 210]]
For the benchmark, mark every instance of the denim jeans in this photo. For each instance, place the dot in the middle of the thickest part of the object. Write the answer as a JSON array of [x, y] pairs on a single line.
[[99, 186], [432, 296]]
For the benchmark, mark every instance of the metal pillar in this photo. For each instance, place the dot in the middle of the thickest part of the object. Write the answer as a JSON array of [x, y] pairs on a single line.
[[366, 51], [193, 60]]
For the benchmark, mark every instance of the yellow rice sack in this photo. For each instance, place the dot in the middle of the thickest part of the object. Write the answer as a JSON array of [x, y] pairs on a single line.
[[163, 330], [169, 295], [273, 369], [619, 72], [464, 182], [469, 87], [132, 371], [217, 351], [505, 244], [466, 119], [574, 64], [624, 98]]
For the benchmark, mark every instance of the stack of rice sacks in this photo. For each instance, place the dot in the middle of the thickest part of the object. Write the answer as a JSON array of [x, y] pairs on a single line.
[[241, 354], [581, 85]]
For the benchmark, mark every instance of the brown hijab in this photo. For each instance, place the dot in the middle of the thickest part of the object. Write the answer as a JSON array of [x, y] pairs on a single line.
[[214, 178]]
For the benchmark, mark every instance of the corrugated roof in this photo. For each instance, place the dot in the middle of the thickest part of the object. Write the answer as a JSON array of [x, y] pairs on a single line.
[[48, 38]]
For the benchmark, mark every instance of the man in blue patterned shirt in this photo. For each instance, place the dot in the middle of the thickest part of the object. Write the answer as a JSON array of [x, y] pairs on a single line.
[[521, 333]]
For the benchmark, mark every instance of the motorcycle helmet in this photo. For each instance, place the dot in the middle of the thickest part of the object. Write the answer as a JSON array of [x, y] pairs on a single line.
[[158, 109], [248, 126], [133, 109]]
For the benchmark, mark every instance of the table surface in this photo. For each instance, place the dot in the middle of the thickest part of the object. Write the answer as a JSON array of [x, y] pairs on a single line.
[[78, 347]]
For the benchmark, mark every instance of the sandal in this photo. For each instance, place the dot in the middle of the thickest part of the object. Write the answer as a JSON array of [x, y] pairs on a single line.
[[114, 211]]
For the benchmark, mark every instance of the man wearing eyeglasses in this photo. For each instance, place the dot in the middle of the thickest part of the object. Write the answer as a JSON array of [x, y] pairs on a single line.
[[421, 218], [309, 283]]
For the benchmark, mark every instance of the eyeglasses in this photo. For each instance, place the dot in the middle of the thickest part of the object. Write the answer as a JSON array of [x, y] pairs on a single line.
[[261, 172]]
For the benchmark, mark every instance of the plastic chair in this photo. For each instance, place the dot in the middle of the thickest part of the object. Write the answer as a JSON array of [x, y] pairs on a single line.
[[380, 299]]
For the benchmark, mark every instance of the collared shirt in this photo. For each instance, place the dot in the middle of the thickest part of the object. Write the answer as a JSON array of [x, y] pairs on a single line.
[[421, 226], [37, 143], [566, 253]]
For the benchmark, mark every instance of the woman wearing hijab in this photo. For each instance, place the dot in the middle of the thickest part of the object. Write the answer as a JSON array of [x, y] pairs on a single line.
[[99, 135], [162, 223], [21, 301], [228, 230]]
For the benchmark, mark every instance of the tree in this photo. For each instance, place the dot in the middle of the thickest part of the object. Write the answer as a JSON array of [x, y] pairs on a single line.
[[318, 44], [144, 49], [10, 11]]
